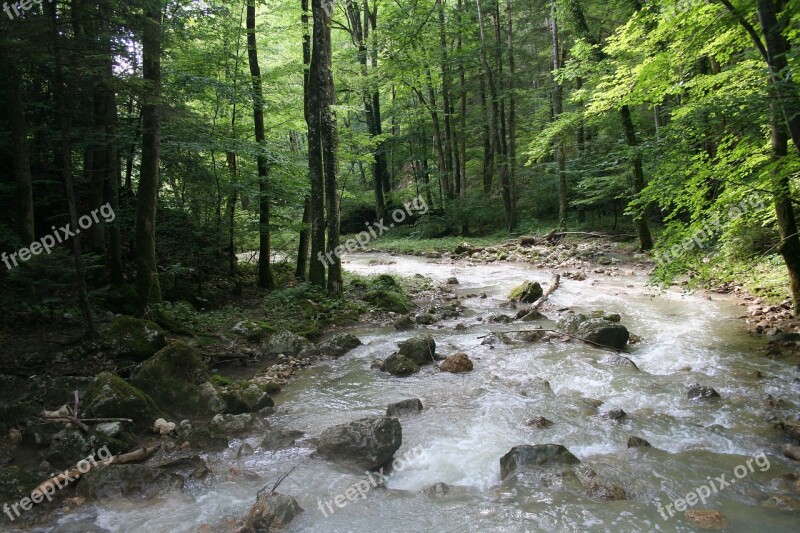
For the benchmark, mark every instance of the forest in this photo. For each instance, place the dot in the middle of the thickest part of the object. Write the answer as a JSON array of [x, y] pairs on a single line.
[[220, 184]]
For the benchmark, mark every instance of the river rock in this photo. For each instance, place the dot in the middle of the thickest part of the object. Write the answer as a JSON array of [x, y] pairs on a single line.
[[420, 349], [271, 512], [437, 490], [638, 442], [339, 345], [207, 437], [456, 364], [452, 281], [286, 343], [404, 407], [705, 518], [539, 422], [279, 439], [597, 488], [398, 365], [112, 397], [615, 414], [234, 425], [696, 391], [247, 399], [141, 483], [426, 319], [791, 451], [528, 292], [367, 443], [132, 338], [528, 456], [162, 427], [404, 323], [619, 360], [533, 335], [597, 330]]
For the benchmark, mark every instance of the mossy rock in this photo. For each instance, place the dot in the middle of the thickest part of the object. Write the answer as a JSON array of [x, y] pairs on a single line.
[[388, 301], [207, 437], [178, 380], [248, 399], [16, 484], [169, 318], [399, 365], [420, 349], [132, 338], [111, 397], [72, 445], [528, 292]]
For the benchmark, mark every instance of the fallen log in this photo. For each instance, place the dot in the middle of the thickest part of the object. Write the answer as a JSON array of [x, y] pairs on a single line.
[[551, 288]]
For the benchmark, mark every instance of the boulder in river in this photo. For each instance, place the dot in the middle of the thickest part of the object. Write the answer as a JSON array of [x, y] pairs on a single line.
[[404, 407], [638, 442], [420, 349], [403, 323], [601, 330], [533, 456], [339, 345], [271, 512], [695, 391], [286, 343], [234, 425], [615, 414], [528, 292], [539, 422], [246, 399], [112, 397], [133, 338], [399, 365], [456, 364], [367, 443], [178, 381], [619, 360]]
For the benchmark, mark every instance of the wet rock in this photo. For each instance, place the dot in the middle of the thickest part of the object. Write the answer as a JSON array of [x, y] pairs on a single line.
[[162, 427], [615, 414], [426, 319], [140, 483], [279, 439], [603, 260], [527, 456], [456, 364], [597, 488], [245, 450], [533, 335], [696, 391], [112, 397], [16, 484], [397, 365], [248, 399], [367, 443], [286, 343], [178, 381], [499, 319], [597, 330], [528, 292], [404, 407], [272, 512], [638, 442], [460, 327], [535, 385], [420, 349], [791, 451], [339, 345], [207, 437], [452, 281], [378, 364], [496, 338], [705, 518], [132, 338], [791, 428], [404, 323], [234, 425], [539, 422], [437, 490], [530, 316], [619, 360]]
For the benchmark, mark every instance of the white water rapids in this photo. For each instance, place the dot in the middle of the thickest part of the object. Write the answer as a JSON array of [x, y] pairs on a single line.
[[471, 420]]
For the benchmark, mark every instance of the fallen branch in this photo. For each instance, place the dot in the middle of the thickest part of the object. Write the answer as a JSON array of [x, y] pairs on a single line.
[[74, 473], [587, 341], [551, 288]]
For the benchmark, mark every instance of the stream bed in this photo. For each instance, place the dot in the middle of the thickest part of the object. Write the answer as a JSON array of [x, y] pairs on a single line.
[[471, 420]]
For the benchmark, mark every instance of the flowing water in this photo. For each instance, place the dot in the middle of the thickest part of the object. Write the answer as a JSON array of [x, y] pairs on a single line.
[[471, 420]]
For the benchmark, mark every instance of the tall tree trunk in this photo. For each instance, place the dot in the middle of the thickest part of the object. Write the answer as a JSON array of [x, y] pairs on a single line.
[[380, 156], [316, 272], [19, 139], [558, 109], [462, 136], [486, 135], [512, 112], [265, 279], [66, 169], [301, 269], [147, 196], [451, 170]]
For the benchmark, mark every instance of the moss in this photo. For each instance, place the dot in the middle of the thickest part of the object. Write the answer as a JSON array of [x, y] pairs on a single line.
[[136, 339], [15, 484], [527, 292], [389, 301], [173, 378], [207, 437], [111, 397], [220, 381]]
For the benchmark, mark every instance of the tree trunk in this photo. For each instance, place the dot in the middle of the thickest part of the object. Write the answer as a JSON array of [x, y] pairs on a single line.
[[512, 113], [642, 230], [147, 196], [486, 135], [449, 176], [66, 169], [558, 109], [264, 201]]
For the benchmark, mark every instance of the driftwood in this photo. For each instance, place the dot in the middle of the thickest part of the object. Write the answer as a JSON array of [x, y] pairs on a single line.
[[74, 473], [587, 341], [551, 288]]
